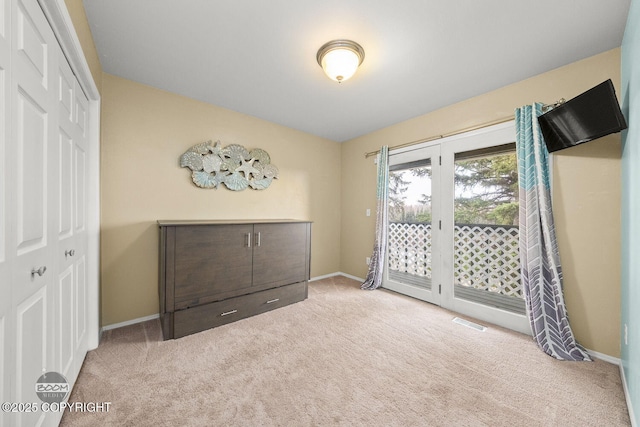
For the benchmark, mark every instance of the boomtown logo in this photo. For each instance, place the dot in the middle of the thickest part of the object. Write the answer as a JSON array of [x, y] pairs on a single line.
[[52, 387]]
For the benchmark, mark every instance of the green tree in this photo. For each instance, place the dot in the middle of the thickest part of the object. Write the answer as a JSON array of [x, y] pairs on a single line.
[[424, 199], [397, 187], [487, 190], [424, 217]]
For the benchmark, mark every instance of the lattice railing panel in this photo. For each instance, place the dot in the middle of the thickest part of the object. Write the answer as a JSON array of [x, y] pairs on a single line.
[[485, 256], [410, 248]]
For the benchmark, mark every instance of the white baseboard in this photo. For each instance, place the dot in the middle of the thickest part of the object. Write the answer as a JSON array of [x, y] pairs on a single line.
[[324, 276], [129, 322], [627, 397], [604, 357], [337, 273], [359, 279], [616, 361]]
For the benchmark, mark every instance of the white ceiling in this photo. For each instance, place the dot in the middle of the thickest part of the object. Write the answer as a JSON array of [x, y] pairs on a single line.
[[259, 57]]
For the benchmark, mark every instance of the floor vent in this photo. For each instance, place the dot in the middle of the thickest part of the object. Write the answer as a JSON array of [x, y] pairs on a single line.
[[469, 324]]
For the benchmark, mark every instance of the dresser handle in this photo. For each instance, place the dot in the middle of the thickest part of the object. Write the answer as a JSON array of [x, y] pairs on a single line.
[[271, 301], [39, 271], [248, 240], [228, 313]]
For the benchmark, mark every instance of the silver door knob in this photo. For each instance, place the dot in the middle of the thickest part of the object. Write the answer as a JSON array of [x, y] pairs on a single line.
[[70, 252], [39, 271]]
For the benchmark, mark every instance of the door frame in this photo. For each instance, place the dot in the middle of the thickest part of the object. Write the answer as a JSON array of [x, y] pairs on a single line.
[[60, 21]]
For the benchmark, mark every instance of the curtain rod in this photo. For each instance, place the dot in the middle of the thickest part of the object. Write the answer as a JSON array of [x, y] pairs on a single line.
[[545, 108], [444, 135]]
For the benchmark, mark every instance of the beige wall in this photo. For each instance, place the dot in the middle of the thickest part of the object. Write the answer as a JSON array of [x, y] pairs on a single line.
[[586, 200], [145, 130], [81, 25]]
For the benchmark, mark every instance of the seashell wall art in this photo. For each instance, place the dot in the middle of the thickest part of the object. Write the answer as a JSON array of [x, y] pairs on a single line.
[[234, 166]]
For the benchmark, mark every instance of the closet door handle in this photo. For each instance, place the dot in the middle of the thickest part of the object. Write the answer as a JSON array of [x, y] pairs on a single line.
[[248, 240], [40, 271], [70, 252], [258, 238]]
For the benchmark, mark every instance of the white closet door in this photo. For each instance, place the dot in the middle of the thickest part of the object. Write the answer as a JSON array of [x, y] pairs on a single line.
[[33, 110], [80, 223], [44, 155], [65, 230], [71, 291], [6, 322]]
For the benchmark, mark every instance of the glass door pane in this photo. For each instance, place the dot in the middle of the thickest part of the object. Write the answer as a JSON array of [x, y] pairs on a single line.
[[410, 214], [486, 260], [412, 256]]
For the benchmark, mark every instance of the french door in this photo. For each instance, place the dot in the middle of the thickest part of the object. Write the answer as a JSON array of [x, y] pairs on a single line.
[[413, 254], [453, 233]]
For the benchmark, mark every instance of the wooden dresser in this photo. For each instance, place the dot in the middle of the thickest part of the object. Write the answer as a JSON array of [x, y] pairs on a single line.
[[217, 272]]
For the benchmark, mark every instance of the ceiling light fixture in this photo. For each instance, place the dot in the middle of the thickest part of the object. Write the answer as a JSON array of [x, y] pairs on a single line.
[[340, 59]]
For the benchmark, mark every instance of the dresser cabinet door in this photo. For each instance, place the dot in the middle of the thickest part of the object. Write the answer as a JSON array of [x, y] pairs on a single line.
[[211, 260], [280, 254]]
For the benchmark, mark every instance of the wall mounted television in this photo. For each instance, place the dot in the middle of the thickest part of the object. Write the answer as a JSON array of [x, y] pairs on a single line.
[[590, 115]]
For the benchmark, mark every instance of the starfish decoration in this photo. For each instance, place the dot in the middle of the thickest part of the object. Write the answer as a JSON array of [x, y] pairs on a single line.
[[247, 168]]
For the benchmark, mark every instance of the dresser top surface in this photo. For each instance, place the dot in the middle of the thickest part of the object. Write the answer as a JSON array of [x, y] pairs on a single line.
[[181, 222]]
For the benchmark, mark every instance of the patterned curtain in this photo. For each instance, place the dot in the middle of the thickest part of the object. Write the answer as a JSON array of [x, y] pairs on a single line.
[[539, 256], [376, 266]]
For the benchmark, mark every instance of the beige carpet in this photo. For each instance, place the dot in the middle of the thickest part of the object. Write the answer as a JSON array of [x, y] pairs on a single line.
[[343, 357]]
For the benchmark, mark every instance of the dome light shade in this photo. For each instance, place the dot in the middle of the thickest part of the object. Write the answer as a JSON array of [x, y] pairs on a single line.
[[340, 59]]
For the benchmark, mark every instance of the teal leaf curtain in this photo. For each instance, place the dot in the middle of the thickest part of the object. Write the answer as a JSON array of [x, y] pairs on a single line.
[[541, 271], [376, 265]]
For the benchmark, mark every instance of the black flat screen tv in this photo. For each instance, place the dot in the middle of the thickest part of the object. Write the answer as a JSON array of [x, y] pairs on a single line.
[[590, 115]]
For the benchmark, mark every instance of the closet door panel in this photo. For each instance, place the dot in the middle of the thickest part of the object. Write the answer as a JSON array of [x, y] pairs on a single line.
[[32, 44], [65, 253], [65, 185], [4, 19], [80, 309], [36, 280], [65, 336], [6, 327], [80, 197], [32, 352], [32, 166]]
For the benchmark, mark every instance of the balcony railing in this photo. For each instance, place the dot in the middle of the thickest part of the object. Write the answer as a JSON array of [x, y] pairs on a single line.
[[486, 261]]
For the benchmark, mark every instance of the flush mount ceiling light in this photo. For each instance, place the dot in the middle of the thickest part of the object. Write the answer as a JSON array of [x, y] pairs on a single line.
[[340, 59]]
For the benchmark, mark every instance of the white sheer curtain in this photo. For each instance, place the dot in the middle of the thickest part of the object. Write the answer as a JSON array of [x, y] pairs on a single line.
[[376, 266]]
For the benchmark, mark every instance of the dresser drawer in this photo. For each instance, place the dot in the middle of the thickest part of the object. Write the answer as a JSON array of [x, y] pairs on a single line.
[[203, 317], [278, 297]]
